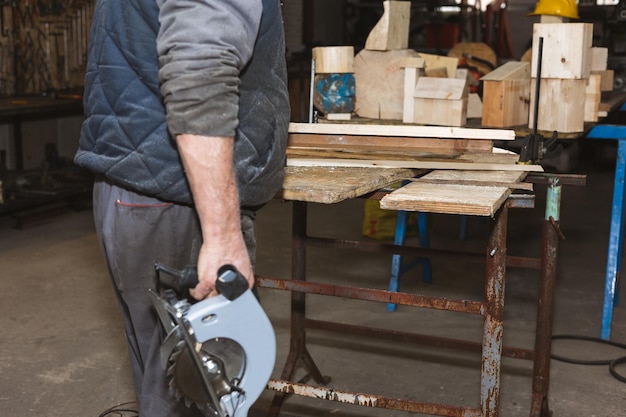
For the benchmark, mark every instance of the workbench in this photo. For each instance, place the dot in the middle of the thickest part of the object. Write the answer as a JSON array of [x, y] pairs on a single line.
[[16, 110], [330, 185]]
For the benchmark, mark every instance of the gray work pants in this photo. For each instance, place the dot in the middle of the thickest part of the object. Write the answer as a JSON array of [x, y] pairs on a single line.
[[136, 231]]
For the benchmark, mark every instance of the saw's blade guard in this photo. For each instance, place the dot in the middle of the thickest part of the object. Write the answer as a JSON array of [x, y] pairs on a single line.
[[244, 321]]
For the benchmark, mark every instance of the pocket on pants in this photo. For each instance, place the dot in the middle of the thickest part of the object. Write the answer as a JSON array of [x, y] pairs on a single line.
[[140, 237]]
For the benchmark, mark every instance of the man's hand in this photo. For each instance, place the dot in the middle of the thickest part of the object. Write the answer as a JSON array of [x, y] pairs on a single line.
[[208, 164]]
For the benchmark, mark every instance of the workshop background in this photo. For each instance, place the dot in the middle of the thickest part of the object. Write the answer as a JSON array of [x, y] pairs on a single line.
[[63, 353]]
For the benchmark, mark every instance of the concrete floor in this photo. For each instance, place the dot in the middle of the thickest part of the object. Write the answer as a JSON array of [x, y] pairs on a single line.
[[63, 352]]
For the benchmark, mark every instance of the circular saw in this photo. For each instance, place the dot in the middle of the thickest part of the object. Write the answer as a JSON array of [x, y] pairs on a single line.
[[218, 353]]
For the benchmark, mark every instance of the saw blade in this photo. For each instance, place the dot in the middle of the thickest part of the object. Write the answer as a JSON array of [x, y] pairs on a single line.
[[225, 365]]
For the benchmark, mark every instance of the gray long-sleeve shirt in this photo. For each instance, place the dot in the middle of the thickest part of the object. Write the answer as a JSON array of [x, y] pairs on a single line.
[[203, 46]]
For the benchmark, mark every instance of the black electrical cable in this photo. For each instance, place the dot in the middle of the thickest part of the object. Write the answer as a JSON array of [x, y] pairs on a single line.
[[120, 410], [613, 363]]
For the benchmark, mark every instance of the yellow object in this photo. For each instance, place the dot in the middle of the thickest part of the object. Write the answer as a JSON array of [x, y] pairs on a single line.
[[563, 8], [381, 224]]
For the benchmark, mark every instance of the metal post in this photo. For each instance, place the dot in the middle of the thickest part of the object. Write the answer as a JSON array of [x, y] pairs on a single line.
[[494, 314], [545, 300], [297, 347], [615, 241]]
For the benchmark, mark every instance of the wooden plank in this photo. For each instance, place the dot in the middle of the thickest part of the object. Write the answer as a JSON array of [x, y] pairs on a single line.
[[328, 186], [512, 185], [441, 88], [511, 179], [334, 59], [401, 130], [392, 30], [482, 176], [413, 67], [387, 154], [496, 162], [512, 70], [390, 143], [447, 199]]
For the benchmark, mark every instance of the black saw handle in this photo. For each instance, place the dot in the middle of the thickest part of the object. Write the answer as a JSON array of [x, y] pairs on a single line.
[[230, 282]]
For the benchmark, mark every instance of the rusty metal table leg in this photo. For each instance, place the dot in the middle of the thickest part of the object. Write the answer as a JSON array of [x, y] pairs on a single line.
[[297, 348], [494, 314], [545, 307]]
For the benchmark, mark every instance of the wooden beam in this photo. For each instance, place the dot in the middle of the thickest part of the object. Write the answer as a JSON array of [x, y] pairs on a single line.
[[442, 132], [389, 143]]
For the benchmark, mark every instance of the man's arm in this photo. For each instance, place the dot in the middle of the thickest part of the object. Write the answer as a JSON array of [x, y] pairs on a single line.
[[203, 45], [208, 162]]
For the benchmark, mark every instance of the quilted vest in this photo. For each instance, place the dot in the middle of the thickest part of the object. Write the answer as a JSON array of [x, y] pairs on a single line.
[[124, 135]]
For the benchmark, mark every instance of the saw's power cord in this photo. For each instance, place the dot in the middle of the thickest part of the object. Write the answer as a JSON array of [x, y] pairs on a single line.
[[120, 410], [613, 363]]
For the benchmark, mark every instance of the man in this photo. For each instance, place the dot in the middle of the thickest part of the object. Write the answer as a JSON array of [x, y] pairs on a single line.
[[186, 123]]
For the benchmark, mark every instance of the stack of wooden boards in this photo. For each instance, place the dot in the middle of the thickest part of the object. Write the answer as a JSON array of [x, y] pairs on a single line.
[[468, 176]]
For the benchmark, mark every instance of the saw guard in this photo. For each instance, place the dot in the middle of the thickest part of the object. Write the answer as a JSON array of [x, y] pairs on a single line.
[[244, 321]]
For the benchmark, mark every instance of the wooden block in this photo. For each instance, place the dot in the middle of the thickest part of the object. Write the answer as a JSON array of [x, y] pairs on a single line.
[[592, 98], [438, 61], [512, 70], [440, 112], [566, 50], [392, 30], [339, 116], [474, 106], [379, 78], [561, 105], [599, 57], [441, 101], [505, 103], [334, 59], [607, 78]]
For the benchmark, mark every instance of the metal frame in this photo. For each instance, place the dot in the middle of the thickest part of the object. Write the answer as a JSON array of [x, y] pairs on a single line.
[[616, 234], [491, 309]]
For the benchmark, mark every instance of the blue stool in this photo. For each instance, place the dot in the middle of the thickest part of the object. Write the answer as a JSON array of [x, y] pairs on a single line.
[[396, 260]]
